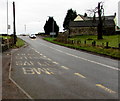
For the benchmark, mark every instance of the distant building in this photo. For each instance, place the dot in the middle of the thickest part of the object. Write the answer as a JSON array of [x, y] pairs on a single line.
[[88, 25]]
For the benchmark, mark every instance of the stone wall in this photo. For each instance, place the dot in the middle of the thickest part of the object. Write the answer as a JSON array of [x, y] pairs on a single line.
[[90, 31], [83, 31]]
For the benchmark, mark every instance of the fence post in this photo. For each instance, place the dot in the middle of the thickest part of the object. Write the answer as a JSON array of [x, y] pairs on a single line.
[[107, 45], [72, 41], [94, 43], [85, 42], [119, 46], [102, 44]]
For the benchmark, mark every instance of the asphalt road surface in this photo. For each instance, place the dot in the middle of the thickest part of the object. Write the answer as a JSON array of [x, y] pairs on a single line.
[[47, 71]]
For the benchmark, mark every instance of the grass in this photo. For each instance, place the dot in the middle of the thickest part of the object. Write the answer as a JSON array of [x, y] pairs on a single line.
[[5, 37], [113, 40], [114, 53], [19, 43]]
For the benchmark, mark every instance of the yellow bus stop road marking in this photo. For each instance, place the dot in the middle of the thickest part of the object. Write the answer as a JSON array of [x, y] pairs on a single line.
[[55, 63], [105, 88], [80, 75], [64, 67]]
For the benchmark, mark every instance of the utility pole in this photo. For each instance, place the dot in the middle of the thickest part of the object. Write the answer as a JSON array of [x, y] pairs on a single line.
[[7, 26], [25, 29], [7, 16], [14, 29]]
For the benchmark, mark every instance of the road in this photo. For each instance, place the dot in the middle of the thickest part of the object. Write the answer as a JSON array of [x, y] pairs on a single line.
[[47, 71]]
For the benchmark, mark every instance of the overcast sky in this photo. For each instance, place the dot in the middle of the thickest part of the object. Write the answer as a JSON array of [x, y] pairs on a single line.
[[34, 13]]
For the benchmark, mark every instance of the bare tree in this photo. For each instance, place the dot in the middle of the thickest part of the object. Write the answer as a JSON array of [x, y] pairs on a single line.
[[99, 9]]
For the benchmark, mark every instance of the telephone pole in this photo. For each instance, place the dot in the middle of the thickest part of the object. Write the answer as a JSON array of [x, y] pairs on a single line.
[[25, 29], [14, 28]]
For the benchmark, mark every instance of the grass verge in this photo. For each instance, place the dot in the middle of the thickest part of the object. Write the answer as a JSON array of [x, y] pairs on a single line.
[[113, 40], [113, 53], [19, 43], [5, 37]]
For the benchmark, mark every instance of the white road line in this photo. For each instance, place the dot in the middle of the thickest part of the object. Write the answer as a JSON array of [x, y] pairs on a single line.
[[111, 67]]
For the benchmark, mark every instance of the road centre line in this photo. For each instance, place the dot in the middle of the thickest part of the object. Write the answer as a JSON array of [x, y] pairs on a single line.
[[111, 67], [105, 88]]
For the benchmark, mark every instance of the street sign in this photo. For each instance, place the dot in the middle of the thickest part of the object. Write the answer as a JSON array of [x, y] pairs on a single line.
[[52, 33]]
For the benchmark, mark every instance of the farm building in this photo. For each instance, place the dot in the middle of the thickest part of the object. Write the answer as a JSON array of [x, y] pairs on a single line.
[[86, 25]]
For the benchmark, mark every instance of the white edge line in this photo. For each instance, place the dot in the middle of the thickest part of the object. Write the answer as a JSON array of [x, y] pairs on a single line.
[[16, 83]]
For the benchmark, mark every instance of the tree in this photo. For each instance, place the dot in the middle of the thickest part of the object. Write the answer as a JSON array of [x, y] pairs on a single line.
[[100, 24], [51, 26], [70, 16], [99, 9], [85, 15]]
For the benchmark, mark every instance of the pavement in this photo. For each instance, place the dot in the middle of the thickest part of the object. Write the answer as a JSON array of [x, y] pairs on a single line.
[[9, 90], [43, 70]]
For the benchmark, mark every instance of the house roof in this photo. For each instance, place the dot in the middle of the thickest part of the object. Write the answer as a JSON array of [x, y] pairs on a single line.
[[107, 17], [81, 21], [79, 18], [111, 17], [90, 23]]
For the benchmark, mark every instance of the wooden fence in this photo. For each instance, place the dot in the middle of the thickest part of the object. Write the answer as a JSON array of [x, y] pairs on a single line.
[[64, 39]]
